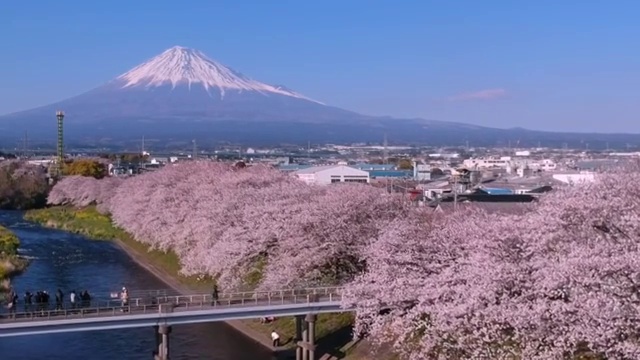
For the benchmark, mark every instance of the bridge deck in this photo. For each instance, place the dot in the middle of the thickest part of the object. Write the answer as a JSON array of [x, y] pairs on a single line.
[[173, 309]]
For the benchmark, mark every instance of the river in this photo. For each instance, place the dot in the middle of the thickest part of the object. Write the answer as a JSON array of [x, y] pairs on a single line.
[[67, 261]]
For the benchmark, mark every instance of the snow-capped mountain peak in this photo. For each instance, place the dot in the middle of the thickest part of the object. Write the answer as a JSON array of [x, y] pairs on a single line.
[[180, 65]]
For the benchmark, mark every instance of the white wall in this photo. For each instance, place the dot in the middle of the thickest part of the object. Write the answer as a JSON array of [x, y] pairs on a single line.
[[575, 178], [339, 173]]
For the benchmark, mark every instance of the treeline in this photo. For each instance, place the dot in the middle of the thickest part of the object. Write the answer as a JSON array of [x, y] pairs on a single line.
[[85, 167], [26, 186], [558, 280], [22, 186], [246, 227]]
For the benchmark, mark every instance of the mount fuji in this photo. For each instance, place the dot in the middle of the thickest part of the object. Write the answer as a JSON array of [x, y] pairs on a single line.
[[182, 94]]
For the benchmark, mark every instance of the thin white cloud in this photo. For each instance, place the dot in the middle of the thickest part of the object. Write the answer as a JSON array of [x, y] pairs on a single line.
[[486, 94]]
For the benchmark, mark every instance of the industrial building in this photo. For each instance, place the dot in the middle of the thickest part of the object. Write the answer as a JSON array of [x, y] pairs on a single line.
[[330, 174]]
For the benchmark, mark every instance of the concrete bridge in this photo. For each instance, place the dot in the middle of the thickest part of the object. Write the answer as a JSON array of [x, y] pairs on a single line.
[[160, 311]]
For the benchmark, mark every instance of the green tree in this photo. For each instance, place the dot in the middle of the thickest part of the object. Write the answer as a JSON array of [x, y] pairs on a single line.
[[22, 186], [404, 164], [85, 167]]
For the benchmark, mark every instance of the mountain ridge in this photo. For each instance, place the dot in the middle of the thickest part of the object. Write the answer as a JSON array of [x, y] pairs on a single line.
[[184, 65], [183, 93]]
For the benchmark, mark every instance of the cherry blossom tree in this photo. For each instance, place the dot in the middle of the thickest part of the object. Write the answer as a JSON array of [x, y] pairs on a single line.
[[323, 243], [558, 281], [232, 222], [81, 191]]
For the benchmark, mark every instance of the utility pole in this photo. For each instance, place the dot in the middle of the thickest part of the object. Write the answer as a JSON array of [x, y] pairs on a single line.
[[455, 193], [195, 150], [26, 144], [385, 151], [142, 154]]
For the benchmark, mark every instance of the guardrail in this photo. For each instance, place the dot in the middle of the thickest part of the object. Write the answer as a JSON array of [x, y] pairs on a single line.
[[176, 303], [138, 297]]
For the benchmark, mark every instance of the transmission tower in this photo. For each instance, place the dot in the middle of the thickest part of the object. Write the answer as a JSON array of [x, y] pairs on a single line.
[[60, 152]]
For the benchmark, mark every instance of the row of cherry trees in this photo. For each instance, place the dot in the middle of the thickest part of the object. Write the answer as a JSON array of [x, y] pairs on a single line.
[[248, 227], [559, 281]]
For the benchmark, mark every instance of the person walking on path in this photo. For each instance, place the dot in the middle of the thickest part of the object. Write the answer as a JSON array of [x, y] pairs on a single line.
[[214, 295], [275, 338]]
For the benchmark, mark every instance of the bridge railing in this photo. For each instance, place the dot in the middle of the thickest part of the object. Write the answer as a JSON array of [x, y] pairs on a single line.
[[140, 297], [270, 297], [162, 304]]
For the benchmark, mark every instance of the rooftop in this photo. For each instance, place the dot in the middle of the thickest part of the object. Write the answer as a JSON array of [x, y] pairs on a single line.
[[315, 169], [490, 207]]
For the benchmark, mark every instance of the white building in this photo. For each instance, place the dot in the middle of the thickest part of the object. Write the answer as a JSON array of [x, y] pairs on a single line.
[[510, 164], [502, 162], [41, 162], [325, 175], [421, 172], [583, 177]]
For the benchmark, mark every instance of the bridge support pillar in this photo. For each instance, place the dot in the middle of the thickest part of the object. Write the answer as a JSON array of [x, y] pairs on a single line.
[[156, 335], [162, 342], [306, 349], [299, 326], [311, 335]]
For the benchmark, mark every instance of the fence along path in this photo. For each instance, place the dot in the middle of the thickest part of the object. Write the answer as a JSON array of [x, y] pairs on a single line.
[[157, 301]]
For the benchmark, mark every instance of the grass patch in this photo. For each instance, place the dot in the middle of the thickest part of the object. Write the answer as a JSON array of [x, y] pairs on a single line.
[[326, 324], [86, 221], [10, 263], [94, 225], [9, 242]]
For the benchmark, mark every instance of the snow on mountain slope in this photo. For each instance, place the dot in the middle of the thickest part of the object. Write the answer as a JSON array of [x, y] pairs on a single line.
[[179, 65]]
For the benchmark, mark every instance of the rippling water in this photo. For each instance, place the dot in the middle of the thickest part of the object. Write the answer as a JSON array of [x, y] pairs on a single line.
[[67, 261]]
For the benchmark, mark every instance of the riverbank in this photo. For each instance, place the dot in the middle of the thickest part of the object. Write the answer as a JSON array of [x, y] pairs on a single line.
[[333, 330], [10, 263]]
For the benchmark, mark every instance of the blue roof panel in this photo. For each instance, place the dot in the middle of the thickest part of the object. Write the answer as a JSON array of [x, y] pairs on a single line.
[[390, 173], [498, 191]]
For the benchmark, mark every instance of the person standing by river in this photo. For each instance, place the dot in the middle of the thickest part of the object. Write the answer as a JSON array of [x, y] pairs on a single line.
[[59, 300], [72, 299], [214, 295], [28, 296], [12, 302], [124, 296]]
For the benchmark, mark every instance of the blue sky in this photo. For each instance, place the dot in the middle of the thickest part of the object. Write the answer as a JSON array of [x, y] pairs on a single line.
[[549, 65]]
